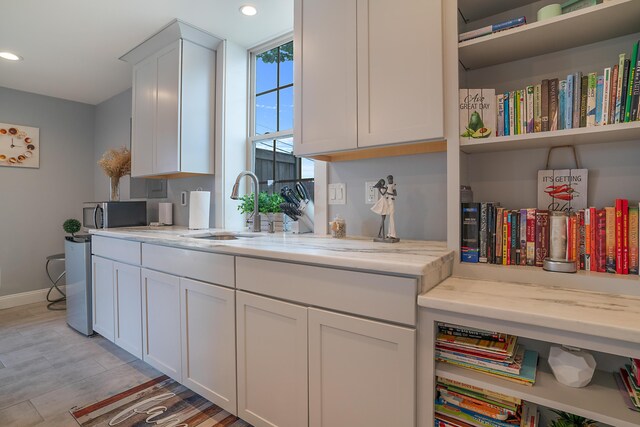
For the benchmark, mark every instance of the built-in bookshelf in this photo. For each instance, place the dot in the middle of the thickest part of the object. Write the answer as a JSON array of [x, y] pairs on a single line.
[[585, 26]]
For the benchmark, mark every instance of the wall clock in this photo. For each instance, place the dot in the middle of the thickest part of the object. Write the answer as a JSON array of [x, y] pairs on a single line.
[[19, 146]]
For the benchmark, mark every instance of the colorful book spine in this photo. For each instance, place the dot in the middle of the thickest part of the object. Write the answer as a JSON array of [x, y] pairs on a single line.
[[634, 241], [500, 118], [613, 99], [581, 241], [512, 109], [599, 100], [531, 237], [601, 241], [530, 113], [498, 247], [542, 236], [625, 88], [505, 237], [610, 243], [591, 99], [635, 98], [523, 236], [618, 235], [515, 240], [632, 73], [537, 117], [469, 249], [606, 96], [572, 240], [584, 87], [562, 93], [482, 244], [587, 239], [490, 29], [625, 236], [616, 113], [523, 111], [544, 105], [592, 238], [568, 103], [553, 104], [507, 114], [516, 112], [577, 99]]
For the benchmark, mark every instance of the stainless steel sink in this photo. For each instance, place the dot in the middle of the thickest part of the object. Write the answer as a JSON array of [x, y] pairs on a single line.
[[222, 236]]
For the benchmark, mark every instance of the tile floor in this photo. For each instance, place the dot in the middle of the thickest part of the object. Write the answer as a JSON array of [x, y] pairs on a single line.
[[46, 368]]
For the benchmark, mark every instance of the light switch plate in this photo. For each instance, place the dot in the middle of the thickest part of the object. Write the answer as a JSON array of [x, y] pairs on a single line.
[[337, 194], [371, 194]]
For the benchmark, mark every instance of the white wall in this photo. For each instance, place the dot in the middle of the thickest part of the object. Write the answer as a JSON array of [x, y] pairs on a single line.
[[421, 205], [35, 202]]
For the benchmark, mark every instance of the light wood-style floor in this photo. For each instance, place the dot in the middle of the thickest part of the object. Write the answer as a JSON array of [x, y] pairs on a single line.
[[46, 368]]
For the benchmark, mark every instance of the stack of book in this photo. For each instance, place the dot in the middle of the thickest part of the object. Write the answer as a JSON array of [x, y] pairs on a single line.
[[628, 380], [489, 352], [599, 240], [579, 100], [494, 28], [461, 405]]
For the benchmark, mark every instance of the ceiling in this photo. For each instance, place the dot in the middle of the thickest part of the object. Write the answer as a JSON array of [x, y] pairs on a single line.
[[71, 47]]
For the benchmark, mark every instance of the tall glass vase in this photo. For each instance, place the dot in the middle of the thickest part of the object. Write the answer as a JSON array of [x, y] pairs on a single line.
[[115, 189]]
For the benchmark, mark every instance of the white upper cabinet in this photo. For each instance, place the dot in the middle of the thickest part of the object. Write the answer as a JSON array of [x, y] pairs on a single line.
[[174, 97], [367, 74]]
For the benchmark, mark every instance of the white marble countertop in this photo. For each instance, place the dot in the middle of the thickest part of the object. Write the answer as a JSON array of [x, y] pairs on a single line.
[[408, 257], [592, 313]]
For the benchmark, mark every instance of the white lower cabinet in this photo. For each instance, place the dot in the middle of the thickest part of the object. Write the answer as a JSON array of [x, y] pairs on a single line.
[[209, 342], [103, 297], [361, 372], [161, 322], [272, 362], [128, 308]]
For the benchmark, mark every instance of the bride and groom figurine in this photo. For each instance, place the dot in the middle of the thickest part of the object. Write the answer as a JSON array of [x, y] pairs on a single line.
[[385, 206]]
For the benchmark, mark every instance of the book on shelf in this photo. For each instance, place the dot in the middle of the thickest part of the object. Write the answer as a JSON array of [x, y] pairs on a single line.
[[601, 238], [599, 100], [507, 122], [606, 100], [621, 58], [523, 111], [577, 99], [614, 97], [537, 113], [477, 109], [610, 241], [562, 93], [628, 388], [635, 371], [498, 232], [568, 102], [512, 366], [634, 254], [469, 249], [512, 109], [635, 87], [542, 236], [592, 84], [531, 236], [482, 238], [586, 251], [625, 88], [530, 110], [553, 104], [619, 247], [517, 112], [481, 334], [490, 29], [632, 73], [544, 105], [584, 95], [500, 116]]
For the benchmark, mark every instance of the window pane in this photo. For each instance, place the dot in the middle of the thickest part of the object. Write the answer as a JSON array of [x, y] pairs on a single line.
[[286, 109], [285, 161], [307, 168], [286, 64], [266, 117], [264, 160], [267, 70]]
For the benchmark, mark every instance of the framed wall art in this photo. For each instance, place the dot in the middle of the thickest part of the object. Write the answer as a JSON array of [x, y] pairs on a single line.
[[19, 146]]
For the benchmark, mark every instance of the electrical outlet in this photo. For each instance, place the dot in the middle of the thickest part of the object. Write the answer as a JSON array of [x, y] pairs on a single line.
[[371, 194], [337, 194]]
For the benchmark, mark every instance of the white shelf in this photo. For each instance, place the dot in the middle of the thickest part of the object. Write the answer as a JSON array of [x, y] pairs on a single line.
[[579, 136], [600, 400], [617, 284], [601, 22], [473, 10]]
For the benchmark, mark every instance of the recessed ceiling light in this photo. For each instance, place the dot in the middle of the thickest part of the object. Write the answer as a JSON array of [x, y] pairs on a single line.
[[10, 56], [248, 10]]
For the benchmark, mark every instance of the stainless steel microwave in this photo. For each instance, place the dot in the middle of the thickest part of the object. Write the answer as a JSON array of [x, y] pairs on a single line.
[[114, 214]]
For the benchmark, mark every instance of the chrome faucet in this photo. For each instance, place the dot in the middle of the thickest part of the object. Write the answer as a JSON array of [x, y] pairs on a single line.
[[234, 196]]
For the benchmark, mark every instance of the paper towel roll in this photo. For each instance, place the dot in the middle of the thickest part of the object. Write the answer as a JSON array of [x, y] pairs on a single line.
[[199, 202], [165, 213]]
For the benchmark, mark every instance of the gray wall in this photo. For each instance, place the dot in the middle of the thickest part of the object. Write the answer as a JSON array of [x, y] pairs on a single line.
[[35, 202], [421, 206]]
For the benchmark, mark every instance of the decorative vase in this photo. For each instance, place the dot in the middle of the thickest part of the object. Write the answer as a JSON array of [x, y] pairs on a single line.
[[571, 366], [115, 189]]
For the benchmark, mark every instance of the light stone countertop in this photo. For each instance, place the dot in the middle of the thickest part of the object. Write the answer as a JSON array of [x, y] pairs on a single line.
[[428, 259], [592, 313]]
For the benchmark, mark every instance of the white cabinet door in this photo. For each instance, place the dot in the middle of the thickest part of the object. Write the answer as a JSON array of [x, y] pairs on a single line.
[[128, 308], [145, 79], [167, 149], [272, 362], [361, 372], [325, 76], [103, 314], [208, 342], [400, 89], [161, 322]]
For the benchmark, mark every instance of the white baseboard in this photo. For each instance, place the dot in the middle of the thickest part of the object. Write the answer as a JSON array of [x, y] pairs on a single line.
[[24, 298]]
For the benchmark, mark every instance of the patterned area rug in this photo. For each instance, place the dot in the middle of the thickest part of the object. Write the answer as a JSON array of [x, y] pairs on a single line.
[[161, 402]]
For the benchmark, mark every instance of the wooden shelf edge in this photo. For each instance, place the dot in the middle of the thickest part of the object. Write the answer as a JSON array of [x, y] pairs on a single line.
[[601, 393], [439, 146], [608, 283]]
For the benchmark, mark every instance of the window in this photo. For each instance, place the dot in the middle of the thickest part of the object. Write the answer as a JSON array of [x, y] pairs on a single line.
[[271, 130]]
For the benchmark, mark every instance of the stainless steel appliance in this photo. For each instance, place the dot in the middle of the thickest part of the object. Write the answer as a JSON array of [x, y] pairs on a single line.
[[114, 214], [78, 278]]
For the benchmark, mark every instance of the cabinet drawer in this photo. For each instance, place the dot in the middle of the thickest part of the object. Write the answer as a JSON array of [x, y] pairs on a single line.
[[117, 249], [372, 295], [205, 266]]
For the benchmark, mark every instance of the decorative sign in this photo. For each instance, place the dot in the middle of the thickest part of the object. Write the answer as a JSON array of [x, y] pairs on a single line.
[[562, 189], [19, 146]]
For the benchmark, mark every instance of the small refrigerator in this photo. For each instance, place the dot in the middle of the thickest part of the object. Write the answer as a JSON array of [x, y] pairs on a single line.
[[78, 278]]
